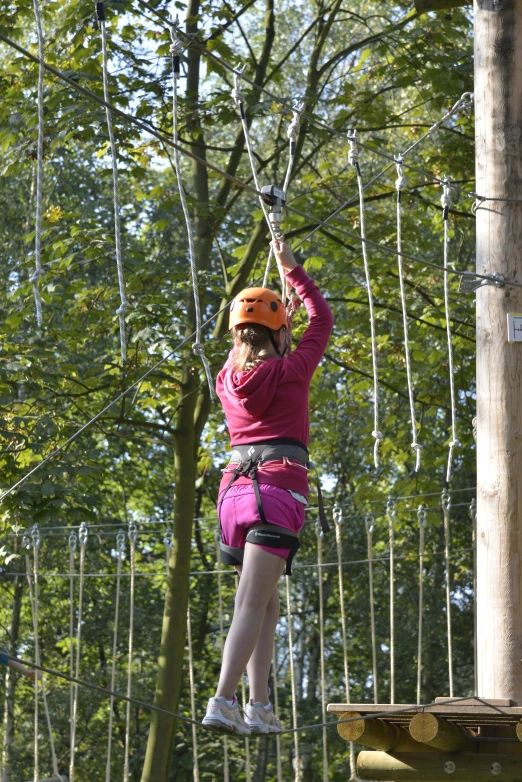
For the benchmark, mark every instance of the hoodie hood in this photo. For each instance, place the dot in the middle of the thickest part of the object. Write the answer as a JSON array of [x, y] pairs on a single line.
[[255, 389]]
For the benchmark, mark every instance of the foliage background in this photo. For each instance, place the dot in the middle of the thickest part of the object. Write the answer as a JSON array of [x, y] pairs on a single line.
[[383, 69]]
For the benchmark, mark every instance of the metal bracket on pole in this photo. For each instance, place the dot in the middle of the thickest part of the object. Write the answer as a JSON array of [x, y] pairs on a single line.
[[469, 282]]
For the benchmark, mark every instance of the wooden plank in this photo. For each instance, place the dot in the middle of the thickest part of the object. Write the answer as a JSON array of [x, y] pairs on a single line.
[[475, 702], [438, 767], [436, 732]]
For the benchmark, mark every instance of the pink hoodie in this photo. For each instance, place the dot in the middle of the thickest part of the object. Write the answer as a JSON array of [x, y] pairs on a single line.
[[271, 401]]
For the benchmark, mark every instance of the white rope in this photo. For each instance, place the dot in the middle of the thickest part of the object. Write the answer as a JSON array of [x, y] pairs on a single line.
[[446, 506], [34, 603], [421, 515], [447, 200], [124, 305], [353, 159], [319, 533], [83, 535], [38, 271], [279, 765], [133, 536], [337, 514], [297, 759], [400, 184], [292, 133], [197, 346], [73, 542], [120, 550], [226, 770], [248, 765], [390, 508], [369, 521], [195, 761], [473, 514]]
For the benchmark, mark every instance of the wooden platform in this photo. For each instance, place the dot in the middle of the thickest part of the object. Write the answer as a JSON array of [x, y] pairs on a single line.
[[471, 713]]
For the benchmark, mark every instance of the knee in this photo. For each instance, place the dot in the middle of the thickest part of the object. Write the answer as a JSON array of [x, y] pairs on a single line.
[[272, 607]]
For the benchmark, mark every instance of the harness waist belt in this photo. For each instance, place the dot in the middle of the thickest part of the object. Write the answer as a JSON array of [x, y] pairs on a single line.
[[266, 452]]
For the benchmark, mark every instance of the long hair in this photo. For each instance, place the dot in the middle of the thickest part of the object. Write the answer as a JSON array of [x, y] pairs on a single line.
[[255, 346]]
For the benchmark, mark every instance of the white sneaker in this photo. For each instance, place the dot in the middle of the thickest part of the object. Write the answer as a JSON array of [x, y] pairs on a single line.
[[223, 718], [261, 719]]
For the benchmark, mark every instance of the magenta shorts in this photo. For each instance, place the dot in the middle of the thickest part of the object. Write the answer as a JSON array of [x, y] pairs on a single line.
[[239, 512]]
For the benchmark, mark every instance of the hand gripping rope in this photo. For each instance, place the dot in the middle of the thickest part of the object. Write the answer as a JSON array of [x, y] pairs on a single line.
[[400, 184], [448, 200], [38, 272], [198, 348], [124, 305], [353, 159]]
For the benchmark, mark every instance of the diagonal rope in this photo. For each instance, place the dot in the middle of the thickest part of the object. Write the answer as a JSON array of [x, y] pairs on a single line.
[[297, 759], [446, 507], [197, 346], [124, 305], [447, 200], [369, 522], [319, 533], [391, 511], [120, 550], [421, 515], [400, 184], [353, 158], [38, 271]]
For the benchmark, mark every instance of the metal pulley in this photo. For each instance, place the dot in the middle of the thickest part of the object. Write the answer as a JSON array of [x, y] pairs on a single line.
[[276, 199]]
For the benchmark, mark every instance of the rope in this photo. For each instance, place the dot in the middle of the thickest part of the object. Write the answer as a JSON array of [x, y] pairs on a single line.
[[197, 347], [221, 642], [34, 603], [83, 534], [446, 505], [124, 305], [292, 133], [120, 549], [38, 271], [195, 761], [275, 678], [369, 521], [421, 515], [297, 759], [248, 766], [73, 542], [447, 200], [390, 508], [133, 536], [319, 533], [353, 159], [400, 184], [338, 520], [473, 514]]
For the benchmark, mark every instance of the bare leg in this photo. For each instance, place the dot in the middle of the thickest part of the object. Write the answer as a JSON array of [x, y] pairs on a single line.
[[258, 667], [260, 574]]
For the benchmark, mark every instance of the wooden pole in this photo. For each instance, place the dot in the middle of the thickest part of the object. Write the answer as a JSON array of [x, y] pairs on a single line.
[[438, 767], [378, 734], [498, 107], [440, 733]]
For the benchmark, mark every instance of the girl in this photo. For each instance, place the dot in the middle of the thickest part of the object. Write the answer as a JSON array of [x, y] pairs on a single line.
[[264, 490]]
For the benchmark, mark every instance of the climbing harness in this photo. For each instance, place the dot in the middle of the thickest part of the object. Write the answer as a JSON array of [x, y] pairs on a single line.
[[448, 200], [400, 184], [124, 305], [353, 159], [245, 460], [197, 346]]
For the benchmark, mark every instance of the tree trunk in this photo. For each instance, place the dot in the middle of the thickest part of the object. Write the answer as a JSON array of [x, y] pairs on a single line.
[[10, 685]]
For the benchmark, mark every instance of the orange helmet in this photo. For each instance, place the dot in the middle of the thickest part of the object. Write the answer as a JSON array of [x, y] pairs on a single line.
[[258, 305]]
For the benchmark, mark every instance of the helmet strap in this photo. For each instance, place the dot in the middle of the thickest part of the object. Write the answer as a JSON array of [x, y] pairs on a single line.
[[274, 343]]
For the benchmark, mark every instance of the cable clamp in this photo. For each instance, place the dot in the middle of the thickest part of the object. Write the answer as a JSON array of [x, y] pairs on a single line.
[[167, 539], [122, 309], [445, 501], [133, 532], [473, 509], [369, 522], [422, 515], [83, 533], [318, 529], [353, 152], [401, 181], [378, 435], [120, 542], [391, 508], [449, 195], [293, 128], [337, 513], [35, 535], [469, 283], [73, 542], [237, 96], [198, 349]]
